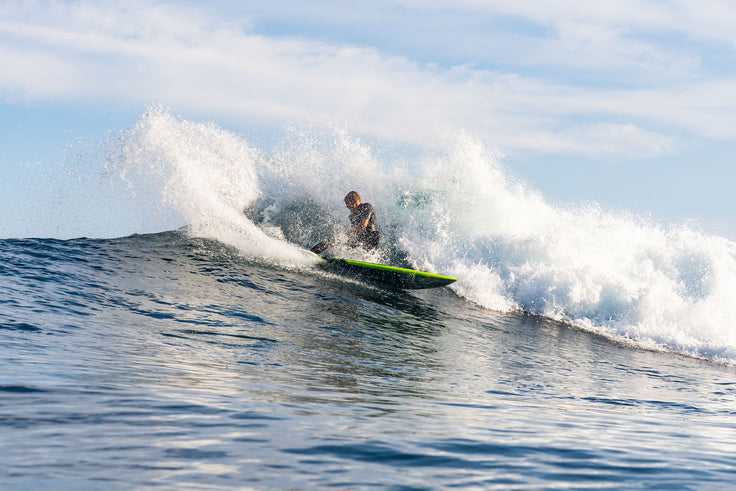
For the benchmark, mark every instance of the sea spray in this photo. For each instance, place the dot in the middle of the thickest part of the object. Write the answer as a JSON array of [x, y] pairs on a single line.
[[206, 174], [451, 209]]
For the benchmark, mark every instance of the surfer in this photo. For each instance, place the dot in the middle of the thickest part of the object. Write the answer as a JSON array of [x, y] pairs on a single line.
[[363, 232]]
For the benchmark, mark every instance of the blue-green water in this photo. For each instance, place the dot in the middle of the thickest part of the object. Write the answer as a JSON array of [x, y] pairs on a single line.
[[162, 361]]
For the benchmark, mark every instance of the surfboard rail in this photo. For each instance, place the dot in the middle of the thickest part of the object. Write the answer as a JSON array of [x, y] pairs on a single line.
[[389, 275]]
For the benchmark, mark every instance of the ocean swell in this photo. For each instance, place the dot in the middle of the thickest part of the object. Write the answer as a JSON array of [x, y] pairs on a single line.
[[452, 209]]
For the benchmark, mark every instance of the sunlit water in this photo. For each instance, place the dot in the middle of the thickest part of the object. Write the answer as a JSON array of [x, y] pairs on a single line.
[[162, 361], [579, 348]]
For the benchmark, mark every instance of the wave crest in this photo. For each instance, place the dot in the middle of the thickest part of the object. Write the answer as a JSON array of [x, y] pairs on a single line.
[[454, 210]]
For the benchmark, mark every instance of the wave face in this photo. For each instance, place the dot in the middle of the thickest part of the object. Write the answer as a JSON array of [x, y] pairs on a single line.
[[455, 211]]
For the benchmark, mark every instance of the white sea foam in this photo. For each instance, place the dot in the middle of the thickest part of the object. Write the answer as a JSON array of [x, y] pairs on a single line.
[[207, 175], [454, 211]]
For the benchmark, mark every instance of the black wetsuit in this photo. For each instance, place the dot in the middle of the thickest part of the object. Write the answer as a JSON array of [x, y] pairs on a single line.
[[367, 237]]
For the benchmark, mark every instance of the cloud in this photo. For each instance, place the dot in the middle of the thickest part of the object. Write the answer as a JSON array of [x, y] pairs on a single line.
[[592, 82], [711, 20]]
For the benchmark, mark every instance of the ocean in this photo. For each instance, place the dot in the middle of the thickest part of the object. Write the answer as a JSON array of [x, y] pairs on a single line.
[[579, 349]]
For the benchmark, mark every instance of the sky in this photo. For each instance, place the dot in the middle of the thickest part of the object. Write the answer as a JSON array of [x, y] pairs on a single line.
[[629, 104]]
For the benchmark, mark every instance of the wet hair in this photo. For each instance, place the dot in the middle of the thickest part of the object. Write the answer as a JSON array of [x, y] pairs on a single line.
[[352, 196]]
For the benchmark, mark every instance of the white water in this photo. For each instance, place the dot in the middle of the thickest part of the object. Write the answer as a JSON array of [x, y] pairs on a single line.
[[455, 212], [208, 175]]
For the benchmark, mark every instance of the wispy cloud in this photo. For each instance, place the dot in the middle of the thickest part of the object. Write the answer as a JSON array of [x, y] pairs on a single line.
[[577, 78]]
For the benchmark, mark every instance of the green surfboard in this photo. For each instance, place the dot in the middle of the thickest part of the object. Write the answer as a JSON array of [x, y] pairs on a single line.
[[388, 275]]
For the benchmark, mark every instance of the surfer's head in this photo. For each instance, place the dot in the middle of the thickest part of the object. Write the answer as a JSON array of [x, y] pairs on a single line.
[[352, 200]]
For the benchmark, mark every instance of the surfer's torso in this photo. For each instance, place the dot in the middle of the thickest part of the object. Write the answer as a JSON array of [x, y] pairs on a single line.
[[367, 236], [361, 213]]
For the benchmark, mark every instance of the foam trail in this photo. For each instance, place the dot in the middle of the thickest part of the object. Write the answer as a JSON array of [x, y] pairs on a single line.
[[207, 175], [617, 275]]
